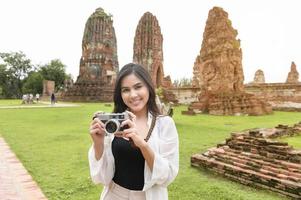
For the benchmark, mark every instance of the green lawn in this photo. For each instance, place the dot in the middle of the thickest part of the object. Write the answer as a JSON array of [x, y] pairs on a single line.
[[53, 143], [10, 102], [17, 102], [293, 141]]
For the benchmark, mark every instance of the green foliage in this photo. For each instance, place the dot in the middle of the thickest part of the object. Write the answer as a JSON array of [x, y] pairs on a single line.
[[54, 71], [293, 141], [236, 44], [229, 22], [3, 80], [183, 82], [17, 64], [159, 92], [33, 83], [58, 139], [15, 68], [18, 75]]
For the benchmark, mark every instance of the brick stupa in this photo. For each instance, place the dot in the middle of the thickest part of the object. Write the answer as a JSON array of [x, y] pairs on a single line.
[[293, 75], [148, 52], [218, 72], [259, 77], [99, 62]]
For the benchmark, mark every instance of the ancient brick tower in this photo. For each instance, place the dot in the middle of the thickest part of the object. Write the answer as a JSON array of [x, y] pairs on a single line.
[[218, 71], [259, 77], [99, 62], [293, 75], [148, 50]]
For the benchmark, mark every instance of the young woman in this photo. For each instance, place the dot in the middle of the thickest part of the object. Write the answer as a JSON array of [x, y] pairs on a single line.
[[141, 161]]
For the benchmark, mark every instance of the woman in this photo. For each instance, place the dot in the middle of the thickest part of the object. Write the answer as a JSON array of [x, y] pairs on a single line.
[[142, 160]]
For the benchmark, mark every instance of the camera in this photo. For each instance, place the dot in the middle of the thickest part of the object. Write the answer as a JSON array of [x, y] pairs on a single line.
[[112, 121]]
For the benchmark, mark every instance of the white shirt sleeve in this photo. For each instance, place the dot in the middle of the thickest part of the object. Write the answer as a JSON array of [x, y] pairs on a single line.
[[102, 171], [166, 162]]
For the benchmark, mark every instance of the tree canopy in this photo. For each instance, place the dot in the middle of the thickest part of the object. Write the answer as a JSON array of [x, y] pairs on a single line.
[[19, 76]]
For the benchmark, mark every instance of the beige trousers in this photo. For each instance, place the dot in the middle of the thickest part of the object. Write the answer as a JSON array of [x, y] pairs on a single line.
[[117, 192]]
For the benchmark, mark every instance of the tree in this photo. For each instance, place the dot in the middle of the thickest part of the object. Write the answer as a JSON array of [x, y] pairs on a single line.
[[55, 71], [183, 82], [17, 67], [3, 80], [17, 64], [33, 83]]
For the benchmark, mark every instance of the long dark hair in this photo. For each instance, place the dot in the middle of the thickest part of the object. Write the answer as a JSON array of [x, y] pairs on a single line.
[[143, 75]]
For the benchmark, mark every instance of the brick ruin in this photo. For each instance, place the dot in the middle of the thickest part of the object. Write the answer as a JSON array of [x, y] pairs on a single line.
[[219, 74], [48, 88], [253, 158], [148, 52], [259, 77], [293, 75], [98, 63], [282, 96]]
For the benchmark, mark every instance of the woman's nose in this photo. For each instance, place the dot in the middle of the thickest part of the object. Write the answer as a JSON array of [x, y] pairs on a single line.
[[133, 93]]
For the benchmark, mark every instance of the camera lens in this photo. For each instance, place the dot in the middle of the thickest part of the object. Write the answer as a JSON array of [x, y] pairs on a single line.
[[111, 126]]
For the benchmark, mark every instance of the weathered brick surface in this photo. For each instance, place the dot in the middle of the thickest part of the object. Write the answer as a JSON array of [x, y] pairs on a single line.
[[15, 182], [252, 158], [218, 71], [148, 52], [99, 61]]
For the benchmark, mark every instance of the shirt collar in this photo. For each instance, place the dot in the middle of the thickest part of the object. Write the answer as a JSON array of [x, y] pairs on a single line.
[[149, 119]]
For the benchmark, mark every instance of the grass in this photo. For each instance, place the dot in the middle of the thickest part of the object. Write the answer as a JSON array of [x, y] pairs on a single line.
[[53, 144], [17, 102], [10, 102], [293, 141]]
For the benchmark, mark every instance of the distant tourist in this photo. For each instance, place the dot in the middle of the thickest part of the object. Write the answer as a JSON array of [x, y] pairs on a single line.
[[24, 99], [37, 97], [52, 99], [30, 98], [139, 162]]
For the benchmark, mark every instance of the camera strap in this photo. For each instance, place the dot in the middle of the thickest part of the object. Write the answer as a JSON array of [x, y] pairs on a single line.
[[151, 128]]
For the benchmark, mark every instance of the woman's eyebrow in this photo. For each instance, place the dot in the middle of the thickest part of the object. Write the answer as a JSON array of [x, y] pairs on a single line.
[[139, 83], [136, 84]]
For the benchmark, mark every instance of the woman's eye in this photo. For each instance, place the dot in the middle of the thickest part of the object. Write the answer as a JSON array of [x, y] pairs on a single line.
[[125, 90], [138, 86]]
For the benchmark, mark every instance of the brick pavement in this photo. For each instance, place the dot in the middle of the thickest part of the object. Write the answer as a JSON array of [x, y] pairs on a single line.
[[15, 181]]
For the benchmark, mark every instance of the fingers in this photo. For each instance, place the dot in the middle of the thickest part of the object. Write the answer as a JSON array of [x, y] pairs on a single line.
[[119, 134], [96, 120], [129, 123], [96, 127], [132, 116], [94, 131], [127, 133]]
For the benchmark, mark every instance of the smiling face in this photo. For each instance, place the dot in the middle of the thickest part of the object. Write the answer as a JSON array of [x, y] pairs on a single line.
[[135, 94]]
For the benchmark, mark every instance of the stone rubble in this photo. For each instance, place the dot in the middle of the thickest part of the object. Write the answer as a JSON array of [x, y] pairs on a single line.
[[253, 158]]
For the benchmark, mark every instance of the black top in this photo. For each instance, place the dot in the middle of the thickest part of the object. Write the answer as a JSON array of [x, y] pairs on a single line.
[[129, 165]]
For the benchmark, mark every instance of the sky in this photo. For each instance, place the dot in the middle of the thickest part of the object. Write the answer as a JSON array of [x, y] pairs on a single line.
[[269, 30]]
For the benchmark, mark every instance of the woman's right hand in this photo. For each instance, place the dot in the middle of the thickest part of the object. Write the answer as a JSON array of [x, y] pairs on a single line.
[[97, 131]]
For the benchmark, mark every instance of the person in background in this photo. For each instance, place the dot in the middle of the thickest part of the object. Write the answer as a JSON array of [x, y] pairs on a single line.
[[139, 162], [52, 98], [37, 97]]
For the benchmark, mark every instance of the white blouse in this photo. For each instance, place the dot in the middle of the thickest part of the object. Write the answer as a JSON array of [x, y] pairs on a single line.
[[165, 144]]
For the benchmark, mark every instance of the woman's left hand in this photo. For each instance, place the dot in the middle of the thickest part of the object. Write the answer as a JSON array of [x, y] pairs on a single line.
[[131, 132]]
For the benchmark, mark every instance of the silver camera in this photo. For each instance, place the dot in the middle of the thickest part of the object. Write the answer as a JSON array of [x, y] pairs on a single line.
[[112, 121]]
